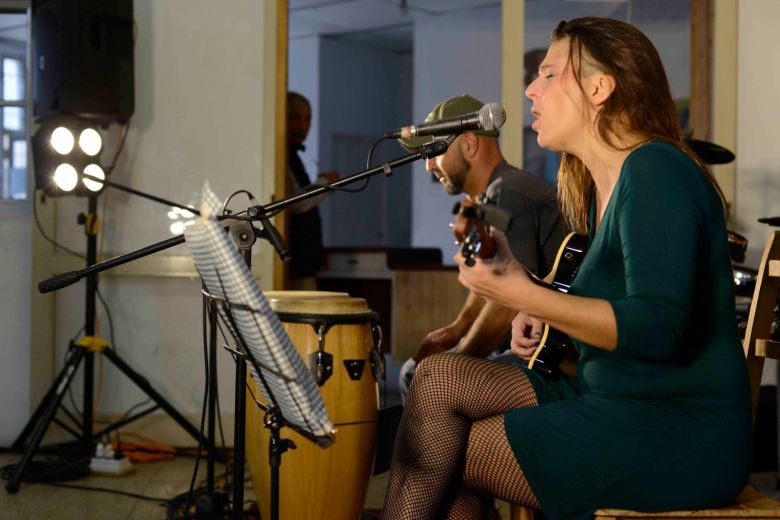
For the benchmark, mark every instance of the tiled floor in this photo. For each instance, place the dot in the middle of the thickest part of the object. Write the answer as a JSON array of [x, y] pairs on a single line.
[[163, 480], [159, 479]]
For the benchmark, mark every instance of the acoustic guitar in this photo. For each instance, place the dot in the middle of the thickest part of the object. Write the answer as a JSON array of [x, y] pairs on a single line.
[[475, 241]]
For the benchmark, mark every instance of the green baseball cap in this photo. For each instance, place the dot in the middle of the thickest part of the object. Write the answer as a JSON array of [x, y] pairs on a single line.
[[447, 109]]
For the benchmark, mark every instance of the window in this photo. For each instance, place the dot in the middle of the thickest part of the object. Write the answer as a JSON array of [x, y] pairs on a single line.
[[14, 103]]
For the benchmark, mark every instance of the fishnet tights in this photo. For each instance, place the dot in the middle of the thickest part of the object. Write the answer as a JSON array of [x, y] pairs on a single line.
[[451, 447]]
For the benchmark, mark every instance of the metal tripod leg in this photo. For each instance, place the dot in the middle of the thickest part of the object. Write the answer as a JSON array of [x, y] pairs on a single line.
[[144, 385], [55, 398], [18, 444]]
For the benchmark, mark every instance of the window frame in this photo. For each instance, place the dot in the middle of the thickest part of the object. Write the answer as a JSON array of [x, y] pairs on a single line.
[[22, 7]]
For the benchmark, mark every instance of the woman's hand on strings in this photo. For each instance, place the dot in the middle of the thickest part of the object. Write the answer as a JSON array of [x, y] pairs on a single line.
[[526, 333]]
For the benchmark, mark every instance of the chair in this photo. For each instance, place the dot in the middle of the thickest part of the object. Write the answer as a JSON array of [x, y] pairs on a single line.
[[757, 346]]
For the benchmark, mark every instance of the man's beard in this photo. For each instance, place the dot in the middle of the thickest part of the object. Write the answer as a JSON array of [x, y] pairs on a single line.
[[455, 181]]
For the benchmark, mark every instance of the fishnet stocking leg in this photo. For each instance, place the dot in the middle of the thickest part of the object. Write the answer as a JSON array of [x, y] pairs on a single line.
[[491, 469], [449, 392]]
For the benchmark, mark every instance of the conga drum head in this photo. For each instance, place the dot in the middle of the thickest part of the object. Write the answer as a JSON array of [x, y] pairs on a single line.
[[303, 295], [315, 302]]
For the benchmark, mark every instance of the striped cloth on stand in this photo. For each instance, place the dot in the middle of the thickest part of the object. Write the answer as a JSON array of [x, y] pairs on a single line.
[[227, 278]]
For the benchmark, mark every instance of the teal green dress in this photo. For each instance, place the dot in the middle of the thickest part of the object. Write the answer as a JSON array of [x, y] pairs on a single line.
[[662, 422]]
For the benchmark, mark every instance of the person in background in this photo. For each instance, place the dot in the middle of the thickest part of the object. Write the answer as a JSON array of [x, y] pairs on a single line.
[[472, 165], [658, 415], [305, 225]]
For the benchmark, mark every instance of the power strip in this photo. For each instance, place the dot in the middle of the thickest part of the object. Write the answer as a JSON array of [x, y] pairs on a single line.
[[110, 466]]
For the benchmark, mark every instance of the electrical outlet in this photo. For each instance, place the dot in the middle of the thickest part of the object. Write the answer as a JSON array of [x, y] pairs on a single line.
[[105, 466]]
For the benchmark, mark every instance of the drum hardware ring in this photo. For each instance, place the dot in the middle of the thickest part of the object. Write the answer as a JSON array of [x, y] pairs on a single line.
[[320, 362]]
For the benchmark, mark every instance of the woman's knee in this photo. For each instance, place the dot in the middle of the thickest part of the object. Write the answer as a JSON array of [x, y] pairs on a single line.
[[436, 367], [435, 373]]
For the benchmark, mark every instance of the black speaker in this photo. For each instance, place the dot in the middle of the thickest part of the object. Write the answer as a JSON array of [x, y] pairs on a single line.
[[83, 59]]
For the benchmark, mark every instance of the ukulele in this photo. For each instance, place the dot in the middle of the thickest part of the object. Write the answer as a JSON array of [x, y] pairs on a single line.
[[471, 232], [475, 242]]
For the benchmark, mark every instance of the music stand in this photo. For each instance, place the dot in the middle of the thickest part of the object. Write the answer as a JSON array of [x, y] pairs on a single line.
[[288, 386]]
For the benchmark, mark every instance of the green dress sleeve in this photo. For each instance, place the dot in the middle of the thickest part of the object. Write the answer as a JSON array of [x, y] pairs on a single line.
[[659, 222]]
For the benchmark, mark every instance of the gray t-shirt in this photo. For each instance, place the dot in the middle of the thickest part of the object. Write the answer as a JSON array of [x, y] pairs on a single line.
[[537, 228]]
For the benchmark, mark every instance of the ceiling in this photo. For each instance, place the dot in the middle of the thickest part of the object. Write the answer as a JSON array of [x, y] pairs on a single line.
[[389, 23], [382, 23]]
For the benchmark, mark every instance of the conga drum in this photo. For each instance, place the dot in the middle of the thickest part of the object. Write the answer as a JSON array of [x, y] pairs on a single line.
[[334, 334]]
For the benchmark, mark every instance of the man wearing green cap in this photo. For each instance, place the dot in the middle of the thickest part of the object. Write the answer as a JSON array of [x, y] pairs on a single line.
[[473, 165]]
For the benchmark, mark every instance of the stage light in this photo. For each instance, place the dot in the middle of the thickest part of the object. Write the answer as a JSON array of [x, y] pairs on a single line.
[[90, 141], [65, 177], [59, 158], [95, 171], [62, 140]]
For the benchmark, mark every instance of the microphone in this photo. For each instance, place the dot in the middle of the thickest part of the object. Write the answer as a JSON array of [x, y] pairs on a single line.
[[490, 117], [772, 221]]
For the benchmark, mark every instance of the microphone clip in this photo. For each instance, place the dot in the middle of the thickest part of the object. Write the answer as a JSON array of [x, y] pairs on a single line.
[[436, 147], [269, 232]]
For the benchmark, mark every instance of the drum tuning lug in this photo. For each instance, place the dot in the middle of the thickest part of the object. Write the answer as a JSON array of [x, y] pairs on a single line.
[[377, 363], [321, 366]]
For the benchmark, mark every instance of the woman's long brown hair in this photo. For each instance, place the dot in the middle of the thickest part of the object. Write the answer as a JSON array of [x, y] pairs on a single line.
[[641, 102]]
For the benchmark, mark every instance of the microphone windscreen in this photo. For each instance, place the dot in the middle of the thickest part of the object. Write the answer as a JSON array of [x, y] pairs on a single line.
[[492, 116]]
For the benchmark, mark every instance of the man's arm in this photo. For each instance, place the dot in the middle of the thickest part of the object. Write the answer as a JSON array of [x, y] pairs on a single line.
[[445, 338], [488, 331], [312, 202]]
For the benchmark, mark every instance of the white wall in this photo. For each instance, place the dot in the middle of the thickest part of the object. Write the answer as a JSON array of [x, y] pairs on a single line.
[[758, 120], [453, 55], [201, 81], [758, 130], [15, 286]]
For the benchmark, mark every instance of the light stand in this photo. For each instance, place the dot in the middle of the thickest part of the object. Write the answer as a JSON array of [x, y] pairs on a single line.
[[84, 350]]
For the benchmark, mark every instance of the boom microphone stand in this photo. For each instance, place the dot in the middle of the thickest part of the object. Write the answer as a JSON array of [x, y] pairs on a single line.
[[260, 215]]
